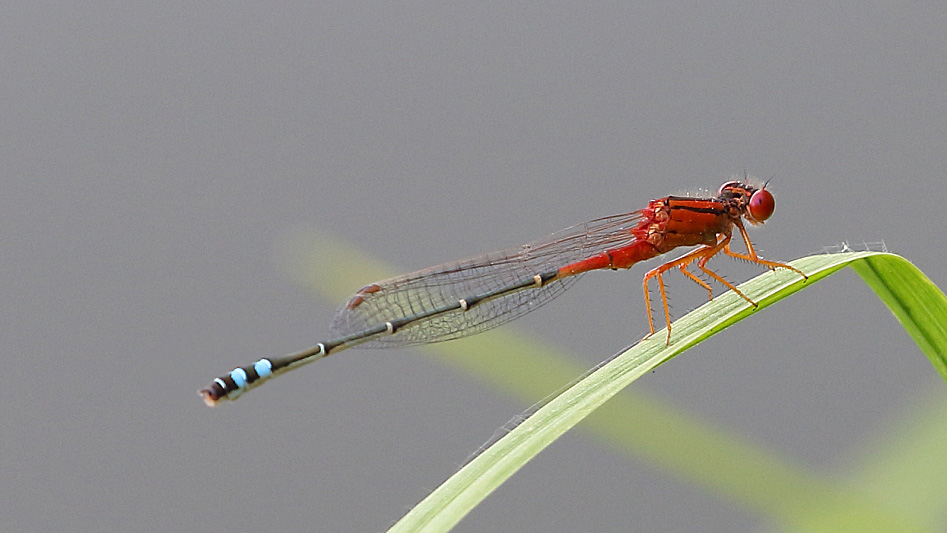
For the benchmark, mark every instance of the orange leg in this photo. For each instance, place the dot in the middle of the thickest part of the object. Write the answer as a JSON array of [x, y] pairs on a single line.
[[702, 264], [753, 258], [703, 254], [695, 279]]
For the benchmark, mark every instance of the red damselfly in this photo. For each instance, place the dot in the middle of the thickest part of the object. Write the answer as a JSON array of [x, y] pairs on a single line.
[[472, 295]]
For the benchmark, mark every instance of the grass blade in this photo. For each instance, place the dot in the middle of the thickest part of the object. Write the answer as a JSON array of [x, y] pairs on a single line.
[[726, 465], [917, 303]]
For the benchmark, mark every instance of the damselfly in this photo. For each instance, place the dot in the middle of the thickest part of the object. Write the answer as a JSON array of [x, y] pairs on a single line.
[[472, 295]]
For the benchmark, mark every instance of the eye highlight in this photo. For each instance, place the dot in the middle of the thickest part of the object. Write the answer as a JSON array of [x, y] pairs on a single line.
[[762, 204]]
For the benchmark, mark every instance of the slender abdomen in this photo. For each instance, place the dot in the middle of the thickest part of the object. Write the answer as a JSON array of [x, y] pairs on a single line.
[[623, 257]]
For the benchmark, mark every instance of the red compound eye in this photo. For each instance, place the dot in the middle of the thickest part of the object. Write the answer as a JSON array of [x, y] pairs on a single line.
[[762, 205]]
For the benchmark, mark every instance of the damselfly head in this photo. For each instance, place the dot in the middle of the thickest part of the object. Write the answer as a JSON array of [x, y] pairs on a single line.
[[755, 202]]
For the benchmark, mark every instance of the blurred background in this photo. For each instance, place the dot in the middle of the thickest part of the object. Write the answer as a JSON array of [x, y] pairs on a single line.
[[165, 166]]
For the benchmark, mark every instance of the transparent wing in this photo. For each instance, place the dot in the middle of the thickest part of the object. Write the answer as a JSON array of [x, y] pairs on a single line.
[[425, 290]]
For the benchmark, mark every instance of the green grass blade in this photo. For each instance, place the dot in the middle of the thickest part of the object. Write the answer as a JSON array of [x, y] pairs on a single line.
[[916, 302], [726, 465], [926, 312]]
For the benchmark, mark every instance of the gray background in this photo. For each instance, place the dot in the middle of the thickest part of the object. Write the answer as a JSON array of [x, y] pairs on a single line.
[[154, 156]]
